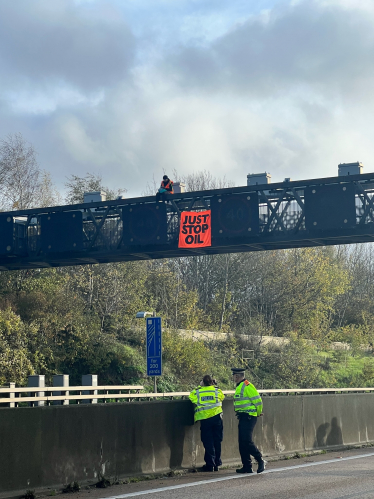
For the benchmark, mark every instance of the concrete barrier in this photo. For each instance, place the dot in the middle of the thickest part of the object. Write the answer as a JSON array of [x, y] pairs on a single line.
[[52, 446]]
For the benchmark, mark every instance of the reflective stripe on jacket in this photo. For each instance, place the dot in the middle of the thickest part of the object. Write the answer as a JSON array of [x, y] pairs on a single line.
[[208, 400], [247, 399], [168, 185]]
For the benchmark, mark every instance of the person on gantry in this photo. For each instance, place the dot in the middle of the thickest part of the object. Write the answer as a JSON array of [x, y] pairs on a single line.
[[165, 188]]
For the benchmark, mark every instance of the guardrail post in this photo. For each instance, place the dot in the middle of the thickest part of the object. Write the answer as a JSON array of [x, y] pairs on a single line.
[[37, 380], [89, 380], [61, 380], [12, 395]]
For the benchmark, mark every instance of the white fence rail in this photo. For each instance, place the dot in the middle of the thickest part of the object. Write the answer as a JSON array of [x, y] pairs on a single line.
[[12, 397]]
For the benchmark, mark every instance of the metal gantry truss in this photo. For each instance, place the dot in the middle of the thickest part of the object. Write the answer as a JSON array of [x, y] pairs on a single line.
[[281, 212]]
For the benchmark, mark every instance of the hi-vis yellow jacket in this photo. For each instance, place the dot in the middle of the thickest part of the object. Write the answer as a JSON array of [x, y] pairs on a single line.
[[247, 399], [208, 400]]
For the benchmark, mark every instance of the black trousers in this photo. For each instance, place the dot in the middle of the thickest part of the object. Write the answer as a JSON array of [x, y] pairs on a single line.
[[211, 437], [162, 196], [246, 446]]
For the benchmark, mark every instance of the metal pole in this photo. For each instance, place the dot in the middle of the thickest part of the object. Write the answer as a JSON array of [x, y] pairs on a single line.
[[155, 377]]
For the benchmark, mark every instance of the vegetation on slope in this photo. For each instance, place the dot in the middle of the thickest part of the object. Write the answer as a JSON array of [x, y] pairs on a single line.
[[81, 320]]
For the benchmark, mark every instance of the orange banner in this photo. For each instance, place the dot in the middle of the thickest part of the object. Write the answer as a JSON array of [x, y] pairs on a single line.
[[195, 229]]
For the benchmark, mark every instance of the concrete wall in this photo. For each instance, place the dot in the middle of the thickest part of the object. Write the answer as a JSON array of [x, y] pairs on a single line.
[[51, 446]]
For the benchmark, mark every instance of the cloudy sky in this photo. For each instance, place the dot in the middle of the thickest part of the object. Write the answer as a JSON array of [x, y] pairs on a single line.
[[130, 89]]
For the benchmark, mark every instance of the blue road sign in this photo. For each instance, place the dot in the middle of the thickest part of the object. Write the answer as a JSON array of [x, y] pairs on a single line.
[[154, 346]]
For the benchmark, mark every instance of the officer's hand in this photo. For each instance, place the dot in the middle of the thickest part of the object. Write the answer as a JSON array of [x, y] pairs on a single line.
[[261, 414]]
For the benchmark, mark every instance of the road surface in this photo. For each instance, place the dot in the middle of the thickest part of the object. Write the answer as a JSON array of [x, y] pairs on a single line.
[[336, 475]]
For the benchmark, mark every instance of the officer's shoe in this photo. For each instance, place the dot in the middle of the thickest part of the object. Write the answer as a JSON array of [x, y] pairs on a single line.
[[216, 468], [206, 468], [244, 470], [261, 466]]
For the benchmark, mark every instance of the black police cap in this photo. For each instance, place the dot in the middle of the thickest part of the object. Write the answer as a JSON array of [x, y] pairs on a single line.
[[237, 370]]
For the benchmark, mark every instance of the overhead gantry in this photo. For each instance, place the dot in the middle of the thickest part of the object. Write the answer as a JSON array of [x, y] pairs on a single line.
[[317, 212]]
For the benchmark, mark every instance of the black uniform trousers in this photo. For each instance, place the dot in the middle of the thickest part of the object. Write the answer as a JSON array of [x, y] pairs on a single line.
[[246, 446], [211, 437], [162, 196]]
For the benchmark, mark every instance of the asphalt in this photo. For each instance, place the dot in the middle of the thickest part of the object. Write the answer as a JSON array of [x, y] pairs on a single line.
[[337, 475]]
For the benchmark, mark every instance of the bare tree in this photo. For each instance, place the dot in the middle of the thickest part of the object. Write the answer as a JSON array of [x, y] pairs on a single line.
[[201, 181], [151, 187], [197, 181], [48, 194], [19, 173]]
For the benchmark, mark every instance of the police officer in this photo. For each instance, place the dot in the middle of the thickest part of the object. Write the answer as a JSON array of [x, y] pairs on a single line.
[[208, 400], [248, 407]]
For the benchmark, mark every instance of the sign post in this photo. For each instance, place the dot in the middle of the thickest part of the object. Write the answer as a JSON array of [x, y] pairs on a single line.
[[154, 348]]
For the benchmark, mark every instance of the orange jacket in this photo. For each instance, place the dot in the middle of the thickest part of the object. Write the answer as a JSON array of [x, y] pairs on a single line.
[[168, 185]]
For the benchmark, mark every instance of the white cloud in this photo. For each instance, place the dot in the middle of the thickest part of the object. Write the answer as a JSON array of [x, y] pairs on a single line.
[[130, 92], [52, 43], [79, 145], [39, 102]]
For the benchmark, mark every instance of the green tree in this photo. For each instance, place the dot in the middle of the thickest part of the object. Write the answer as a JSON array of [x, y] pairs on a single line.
[[290, 366], [190, 359], [77, 186], [312, 282], [168, 294], [15, 363], [368, 372]]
